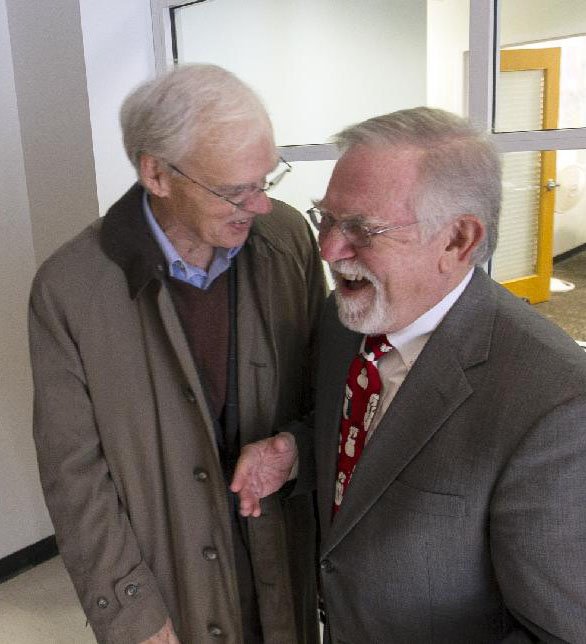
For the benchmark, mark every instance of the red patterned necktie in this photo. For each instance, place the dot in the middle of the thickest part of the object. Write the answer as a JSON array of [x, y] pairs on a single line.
[[360, 401]]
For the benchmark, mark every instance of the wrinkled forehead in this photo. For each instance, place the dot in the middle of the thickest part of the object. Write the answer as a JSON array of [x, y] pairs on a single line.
[[235, 160]]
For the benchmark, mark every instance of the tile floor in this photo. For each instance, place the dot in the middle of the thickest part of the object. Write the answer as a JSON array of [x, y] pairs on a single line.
[[40, 606]]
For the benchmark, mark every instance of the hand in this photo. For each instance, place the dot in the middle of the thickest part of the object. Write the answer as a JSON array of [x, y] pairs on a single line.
[[165, 636], [263, 468]]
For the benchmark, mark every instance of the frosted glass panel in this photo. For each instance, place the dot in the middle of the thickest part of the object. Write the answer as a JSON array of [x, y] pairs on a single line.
[[516, 252], [318, 64], [521, 101]]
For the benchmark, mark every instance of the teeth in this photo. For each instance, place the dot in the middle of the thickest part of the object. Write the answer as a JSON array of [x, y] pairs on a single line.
[[352, 277]]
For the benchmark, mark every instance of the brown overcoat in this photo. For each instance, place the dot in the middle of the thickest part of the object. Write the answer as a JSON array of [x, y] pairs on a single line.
[[125, 441]]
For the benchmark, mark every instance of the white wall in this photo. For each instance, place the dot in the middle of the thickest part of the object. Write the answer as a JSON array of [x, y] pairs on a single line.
[[24, 518], [447, 40], [61, 149], [118, 51]]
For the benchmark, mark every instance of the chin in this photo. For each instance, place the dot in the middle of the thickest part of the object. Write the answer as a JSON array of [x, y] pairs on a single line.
[[369, 317]]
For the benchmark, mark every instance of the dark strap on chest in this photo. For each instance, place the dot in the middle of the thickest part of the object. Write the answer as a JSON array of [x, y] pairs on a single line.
[[231, 428]]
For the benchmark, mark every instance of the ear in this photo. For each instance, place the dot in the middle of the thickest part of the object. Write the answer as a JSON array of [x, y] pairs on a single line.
[[463, 236], [154, 176]]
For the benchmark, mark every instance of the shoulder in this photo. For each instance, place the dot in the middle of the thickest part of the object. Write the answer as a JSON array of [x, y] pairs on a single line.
[[284, 229], [73, 272], [533, 350]]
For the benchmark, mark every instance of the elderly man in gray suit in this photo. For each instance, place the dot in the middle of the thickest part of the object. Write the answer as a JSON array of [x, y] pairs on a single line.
[[450, 430]]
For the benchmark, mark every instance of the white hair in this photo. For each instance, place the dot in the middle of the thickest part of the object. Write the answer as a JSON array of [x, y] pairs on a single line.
[[193, 106]]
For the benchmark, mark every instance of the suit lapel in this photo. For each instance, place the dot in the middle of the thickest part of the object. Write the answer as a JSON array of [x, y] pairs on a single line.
[[439, 389], [434, 388]]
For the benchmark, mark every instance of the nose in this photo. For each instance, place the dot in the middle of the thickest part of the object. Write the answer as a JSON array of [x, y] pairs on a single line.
[[334, 246], [258, 203]]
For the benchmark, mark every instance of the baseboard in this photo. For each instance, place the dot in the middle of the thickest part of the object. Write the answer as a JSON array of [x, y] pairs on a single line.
[[28, 557], [569, 253]]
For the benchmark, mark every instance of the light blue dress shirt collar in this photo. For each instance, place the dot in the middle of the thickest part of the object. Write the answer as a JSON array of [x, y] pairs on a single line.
[[180, 269]]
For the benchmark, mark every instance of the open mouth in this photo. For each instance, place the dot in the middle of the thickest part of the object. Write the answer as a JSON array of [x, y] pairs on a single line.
[[352, 282], [242, 223]]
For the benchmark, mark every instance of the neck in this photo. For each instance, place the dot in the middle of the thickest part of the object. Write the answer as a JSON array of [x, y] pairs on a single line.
[[190, 248]]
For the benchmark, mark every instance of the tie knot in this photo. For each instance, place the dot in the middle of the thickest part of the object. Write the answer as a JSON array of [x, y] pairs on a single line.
[[375, 346]]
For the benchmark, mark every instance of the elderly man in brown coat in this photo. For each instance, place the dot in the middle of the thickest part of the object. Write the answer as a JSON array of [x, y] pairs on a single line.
[[163, 337]]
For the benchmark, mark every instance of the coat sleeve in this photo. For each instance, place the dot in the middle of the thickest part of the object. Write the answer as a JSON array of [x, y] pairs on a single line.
[[116, 588], [538, 528]]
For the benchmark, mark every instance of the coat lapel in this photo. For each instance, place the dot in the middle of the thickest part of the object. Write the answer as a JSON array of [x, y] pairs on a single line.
[[434, 388], [256, 346]]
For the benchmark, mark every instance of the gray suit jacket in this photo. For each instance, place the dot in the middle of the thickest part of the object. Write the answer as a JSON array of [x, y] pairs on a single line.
[[465, 520]]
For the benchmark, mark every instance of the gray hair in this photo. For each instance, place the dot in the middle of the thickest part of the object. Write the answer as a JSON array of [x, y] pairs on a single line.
[[459, 170], [190, 107]]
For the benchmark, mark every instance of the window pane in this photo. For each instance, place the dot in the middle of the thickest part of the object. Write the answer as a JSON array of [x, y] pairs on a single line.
[[567, 303], [321, 65], [542, 221], [552, 30], [307, 181]]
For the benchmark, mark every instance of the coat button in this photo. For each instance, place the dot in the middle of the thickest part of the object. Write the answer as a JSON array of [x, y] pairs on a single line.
[[188, 393], [131, 590], [326, 565], [211, 554], [103, 602], [214, 630], [200, 474]]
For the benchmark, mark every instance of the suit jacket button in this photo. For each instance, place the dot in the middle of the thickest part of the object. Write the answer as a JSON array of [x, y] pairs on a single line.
[[131, 590], [103, 602], [200, 474], [210, 554], [326, 565], [214, 630]]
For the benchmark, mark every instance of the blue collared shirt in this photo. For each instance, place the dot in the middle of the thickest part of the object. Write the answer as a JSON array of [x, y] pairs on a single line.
[[180, 269]]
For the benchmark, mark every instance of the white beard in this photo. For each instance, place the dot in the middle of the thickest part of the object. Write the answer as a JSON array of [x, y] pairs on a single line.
[[363, 313]]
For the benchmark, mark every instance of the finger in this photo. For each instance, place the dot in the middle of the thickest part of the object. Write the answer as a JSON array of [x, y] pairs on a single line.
[[240, 478], [284, 442], [249, 504]]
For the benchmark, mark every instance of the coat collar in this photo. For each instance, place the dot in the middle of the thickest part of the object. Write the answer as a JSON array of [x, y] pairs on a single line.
[[126, 239], [434, 388]]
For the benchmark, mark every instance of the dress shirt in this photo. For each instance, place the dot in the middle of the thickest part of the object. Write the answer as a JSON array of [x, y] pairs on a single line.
[[179, 268], [408, 343]]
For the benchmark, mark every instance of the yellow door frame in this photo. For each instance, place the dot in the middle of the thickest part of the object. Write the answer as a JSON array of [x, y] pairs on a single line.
[[535, 288]]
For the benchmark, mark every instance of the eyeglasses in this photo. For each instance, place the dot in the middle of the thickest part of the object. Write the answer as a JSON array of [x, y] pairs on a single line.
[[241, 194], [356, 233]]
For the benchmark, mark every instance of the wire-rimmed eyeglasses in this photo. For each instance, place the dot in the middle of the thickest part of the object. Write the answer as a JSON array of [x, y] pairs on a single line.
[[356, 233], [241, 194]]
